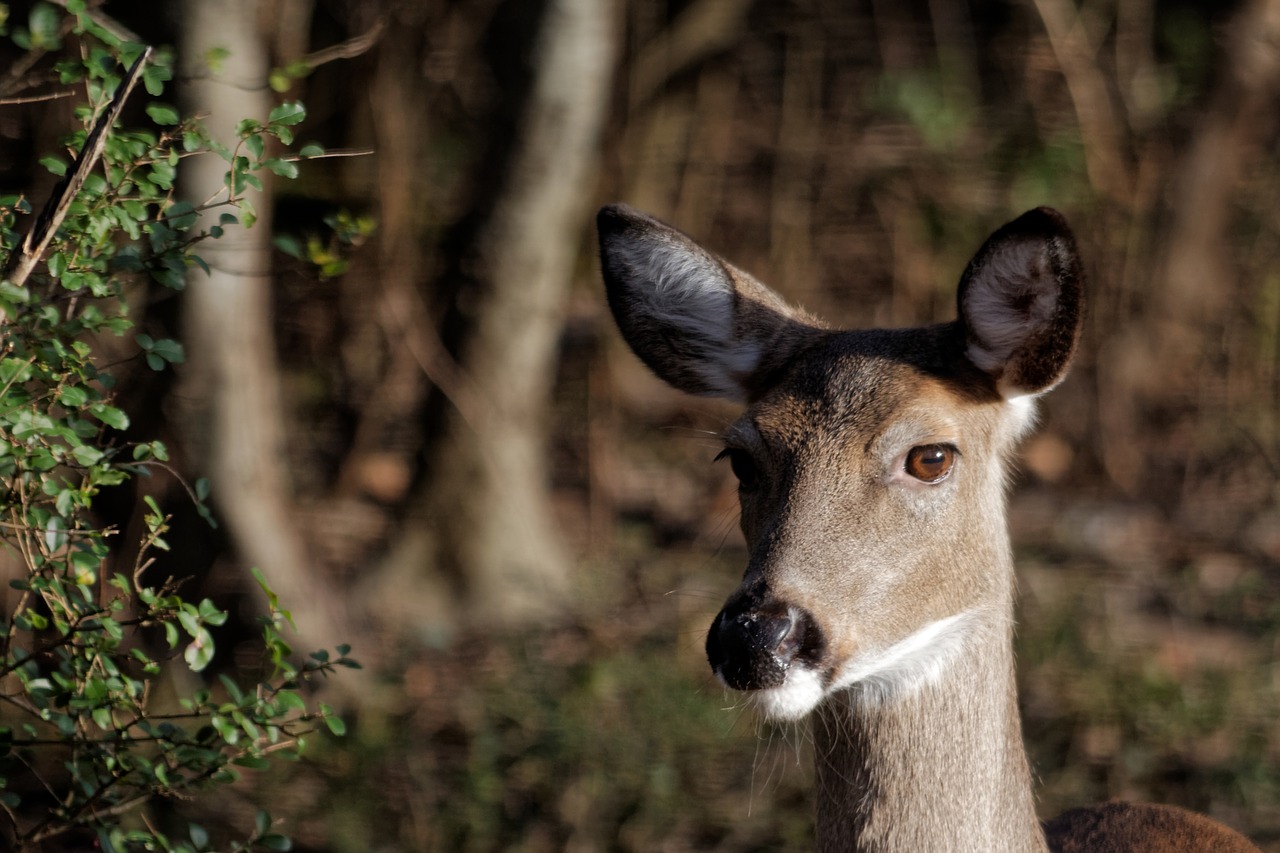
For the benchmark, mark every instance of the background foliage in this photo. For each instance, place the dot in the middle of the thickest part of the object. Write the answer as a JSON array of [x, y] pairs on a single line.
[[851, 154]]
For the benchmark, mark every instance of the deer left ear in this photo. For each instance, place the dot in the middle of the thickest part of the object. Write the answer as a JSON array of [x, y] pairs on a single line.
[[701, 324], [1021, 303]]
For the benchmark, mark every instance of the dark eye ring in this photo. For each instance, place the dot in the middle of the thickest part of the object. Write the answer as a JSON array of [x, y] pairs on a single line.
[[744, 468], [930, 463]]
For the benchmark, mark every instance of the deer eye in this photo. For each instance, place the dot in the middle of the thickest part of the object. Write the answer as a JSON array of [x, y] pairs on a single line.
[[930, 463], [743, 466]]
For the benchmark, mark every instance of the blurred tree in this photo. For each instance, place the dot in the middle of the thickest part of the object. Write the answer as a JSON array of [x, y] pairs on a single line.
[[484, 523], [232, 407], [490, 489]]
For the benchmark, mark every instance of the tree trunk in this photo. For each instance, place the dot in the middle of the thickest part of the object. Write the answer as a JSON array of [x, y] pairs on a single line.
[[234, 417], [494, 527]]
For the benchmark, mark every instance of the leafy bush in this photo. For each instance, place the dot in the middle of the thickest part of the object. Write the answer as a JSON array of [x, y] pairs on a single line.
[[83, 739]]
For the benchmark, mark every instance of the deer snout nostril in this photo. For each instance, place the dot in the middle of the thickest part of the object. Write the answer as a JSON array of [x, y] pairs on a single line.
[[772, 630], [752, 649]]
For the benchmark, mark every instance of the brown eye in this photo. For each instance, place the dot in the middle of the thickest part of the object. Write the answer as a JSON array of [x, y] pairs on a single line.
[[930, 463], [743, 468]]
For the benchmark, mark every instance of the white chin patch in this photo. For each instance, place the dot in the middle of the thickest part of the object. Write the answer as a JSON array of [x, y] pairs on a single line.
[[898, 671], [796, 697], [911, 663]]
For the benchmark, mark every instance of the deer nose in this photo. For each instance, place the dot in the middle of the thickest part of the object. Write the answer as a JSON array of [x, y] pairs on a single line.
[[752, 648]]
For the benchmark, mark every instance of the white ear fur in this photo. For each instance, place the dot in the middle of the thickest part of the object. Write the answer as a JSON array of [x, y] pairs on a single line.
[[997, 331], [1021, 304], [699, 323], [689, 293]]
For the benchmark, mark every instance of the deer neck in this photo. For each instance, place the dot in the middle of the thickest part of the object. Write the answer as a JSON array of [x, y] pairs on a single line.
[[940, 768]]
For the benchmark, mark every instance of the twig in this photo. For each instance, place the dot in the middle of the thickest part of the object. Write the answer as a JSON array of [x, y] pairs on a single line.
[[34, 99], [108, 23], [332, 152], [348, 49]]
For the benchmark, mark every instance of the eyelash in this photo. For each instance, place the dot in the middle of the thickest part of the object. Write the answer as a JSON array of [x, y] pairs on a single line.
[[744, 468]]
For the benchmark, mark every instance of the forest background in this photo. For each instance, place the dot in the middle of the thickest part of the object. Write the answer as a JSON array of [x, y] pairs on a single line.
[[419, 423]]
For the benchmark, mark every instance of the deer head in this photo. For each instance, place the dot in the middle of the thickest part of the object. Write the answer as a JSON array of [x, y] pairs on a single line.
[[871, 464]]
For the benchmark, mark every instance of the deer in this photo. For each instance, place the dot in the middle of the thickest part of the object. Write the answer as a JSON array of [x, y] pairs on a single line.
[[872, 468]]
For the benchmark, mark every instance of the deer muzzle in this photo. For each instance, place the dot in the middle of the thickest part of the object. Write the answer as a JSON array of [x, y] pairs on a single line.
[[756, 640]]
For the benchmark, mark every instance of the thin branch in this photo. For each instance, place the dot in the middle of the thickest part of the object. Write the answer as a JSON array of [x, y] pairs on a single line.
[[108, 23], [348, 49], [332, 152], [34, 99]]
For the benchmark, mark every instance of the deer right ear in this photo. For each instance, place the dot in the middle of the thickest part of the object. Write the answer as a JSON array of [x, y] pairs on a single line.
[[1021, 303], [699, 323]]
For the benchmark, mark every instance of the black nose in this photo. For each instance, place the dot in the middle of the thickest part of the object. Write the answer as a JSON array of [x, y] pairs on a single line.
[[755, 639]]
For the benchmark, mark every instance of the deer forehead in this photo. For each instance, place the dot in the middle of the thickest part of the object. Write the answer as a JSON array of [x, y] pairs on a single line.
[[861, 412]]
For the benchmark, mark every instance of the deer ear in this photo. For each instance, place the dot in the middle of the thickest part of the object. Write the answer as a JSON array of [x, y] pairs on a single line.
[[701, 325], [1021, 303]]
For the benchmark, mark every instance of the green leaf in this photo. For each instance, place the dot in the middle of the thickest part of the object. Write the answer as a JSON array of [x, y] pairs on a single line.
[[289, 700], [189, 620], [43, 23], [199, 651], [162, 175], [163, 114], [110, 415], [291, 246], [14, 370], [255, 144], [225, 728], [283, 168], [210, 614], [87, 455], [153, 79], [182, 216], [102, 718], [170, 350], [55, 534], [215, 56], [290, 112], [56, 165], [72, 396]]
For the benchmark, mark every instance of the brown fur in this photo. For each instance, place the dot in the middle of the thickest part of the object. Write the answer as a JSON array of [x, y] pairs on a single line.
[[1140, 828]]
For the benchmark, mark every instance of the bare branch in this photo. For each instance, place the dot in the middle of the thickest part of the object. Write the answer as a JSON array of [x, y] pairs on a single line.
[[34, 99], [348, 49]]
